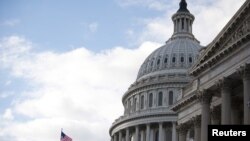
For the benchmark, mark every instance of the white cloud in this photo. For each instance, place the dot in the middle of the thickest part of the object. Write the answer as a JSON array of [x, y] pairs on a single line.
[[8, 115], [78, 90], [158, 5], [93, 27], [209, 14], [10, 22]]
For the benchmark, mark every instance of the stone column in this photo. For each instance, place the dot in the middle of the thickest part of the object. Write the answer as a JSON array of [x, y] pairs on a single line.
[[205, 99], [127, 134], [224, 84], [115, 137], [148, 132], [136, 133], [246, 85], [182, 131], [174, 131], [142, 135], [120, 136], [197, 128], [160, 132]]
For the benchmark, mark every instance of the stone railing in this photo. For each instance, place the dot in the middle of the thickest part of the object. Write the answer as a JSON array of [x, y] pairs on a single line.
[[144, 112]]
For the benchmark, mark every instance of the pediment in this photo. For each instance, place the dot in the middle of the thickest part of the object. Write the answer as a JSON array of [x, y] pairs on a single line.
[[235, 33]]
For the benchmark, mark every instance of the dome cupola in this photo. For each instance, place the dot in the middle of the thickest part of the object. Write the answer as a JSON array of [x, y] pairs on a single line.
[[179, 52]]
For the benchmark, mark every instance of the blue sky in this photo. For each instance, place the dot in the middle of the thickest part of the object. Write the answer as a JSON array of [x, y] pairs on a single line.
[[64, 24], [66, 64]]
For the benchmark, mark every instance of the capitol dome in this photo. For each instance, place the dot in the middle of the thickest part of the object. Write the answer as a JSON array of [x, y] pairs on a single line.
[[176, 56], [147, 102], [179, 52]]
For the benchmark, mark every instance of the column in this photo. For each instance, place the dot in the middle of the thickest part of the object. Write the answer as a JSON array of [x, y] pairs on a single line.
[[246, 85], [197, 128], [174, 131], [182, 131], [205, 98], [142, 135], [226, 101], [112, 138], [136, 133], [115, 137], [160, 132], [127, 134], [120, 136], [148, 132]]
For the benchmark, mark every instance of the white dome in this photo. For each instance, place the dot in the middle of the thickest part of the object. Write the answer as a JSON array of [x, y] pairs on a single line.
[[176, 56]]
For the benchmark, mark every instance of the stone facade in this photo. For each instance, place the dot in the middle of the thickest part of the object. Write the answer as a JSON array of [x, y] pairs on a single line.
[[178, 92]]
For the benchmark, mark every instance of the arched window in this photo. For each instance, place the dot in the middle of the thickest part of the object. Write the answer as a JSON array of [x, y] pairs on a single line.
[[150, 102], [170, 98], [142, 102], [182, 59], [129, 106], [166, 60], [173, 59], [158, 62], [182, 23], [135, 101], [160, 98], [190, 60], [152, 63]]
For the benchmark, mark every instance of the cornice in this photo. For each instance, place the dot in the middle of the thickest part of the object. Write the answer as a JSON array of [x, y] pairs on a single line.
[[183, 102], [129, 118], [155, 84], [234, 34]]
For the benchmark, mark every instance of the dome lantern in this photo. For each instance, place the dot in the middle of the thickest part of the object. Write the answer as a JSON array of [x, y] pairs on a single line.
[[183, 21]]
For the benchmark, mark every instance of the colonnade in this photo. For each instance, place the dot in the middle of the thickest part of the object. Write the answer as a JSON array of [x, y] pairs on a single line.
[[148, 132], [228, 113]]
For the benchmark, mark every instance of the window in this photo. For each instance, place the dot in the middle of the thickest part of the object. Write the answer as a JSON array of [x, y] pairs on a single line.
[[158, 62], [190, 60], [152, 63], [170, 98], [182, 23], [142, 101], [129, 106], [135, 101], [150, 103], [166, 60], [173, 59], [182, 59], [160, 98]]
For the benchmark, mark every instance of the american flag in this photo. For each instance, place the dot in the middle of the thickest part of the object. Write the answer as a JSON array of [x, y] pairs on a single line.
[[64, 137]]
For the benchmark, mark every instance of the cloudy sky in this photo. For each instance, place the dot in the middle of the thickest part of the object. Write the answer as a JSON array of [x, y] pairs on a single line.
[[66, 64]]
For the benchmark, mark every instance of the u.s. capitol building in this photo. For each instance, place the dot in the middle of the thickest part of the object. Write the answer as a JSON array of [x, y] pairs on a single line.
[[182, 87]]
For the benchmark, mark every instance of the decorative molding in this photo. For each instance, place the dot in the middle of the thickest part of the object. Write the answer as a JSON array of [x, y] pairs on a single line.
[[243, 30], [234, 34], [204, 96], [224, 83], [244, 71], [183, 128], [196, 121], [184, 102]]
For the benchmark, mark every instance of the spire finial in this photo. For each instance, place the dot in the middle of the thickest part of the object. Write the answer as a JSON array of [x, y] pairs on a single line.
[[183, 6]]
